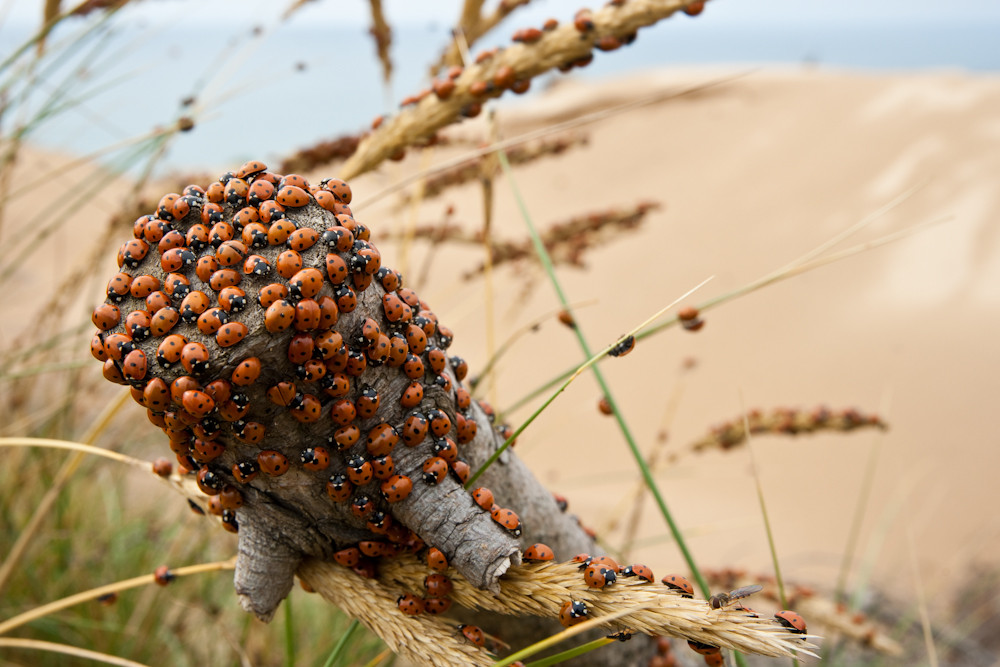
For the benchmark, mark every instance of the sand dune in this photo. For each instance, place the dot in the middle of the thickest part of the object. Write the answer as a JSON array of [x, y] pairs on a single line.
[[751, 175]]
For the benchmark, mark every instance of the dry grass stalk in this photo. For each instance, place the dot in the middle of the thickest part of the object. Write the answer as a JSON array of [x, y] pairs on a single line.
[[786, 421], [566, 242], [382, 34], [816, 608], [323, 152], [422, 639], [540, 589], [473, 169], [521, 62], [473, 26]]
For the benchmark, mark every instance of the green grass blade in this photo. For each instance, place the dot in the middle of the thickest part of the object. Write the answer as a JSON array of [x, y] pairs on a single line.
[[571, 653], [626, 431], [341, 644]]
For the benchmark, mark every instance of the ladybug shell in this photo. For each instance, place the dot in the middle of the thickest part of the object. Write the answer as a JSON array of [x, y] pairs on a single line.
[[410, 604], [436, 606], [599, 576], [437, 585], [436, 560], [474, 634], [273, 463], [538, 552], [679, 583], [572, 612], [508, 519], [397, 488], [638, 570], [703, 649], [792, 621], [483, 497]]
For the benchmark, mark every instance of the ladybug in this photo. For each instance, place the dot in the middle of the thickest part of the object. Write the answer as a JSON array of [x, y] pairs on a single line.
[[572, 612], [231, 333], [359, 470], [416, 339], [396, 488], [561, 502], [445, 448], [249, 432], [461, 470], [379, 522], [483, 497], [508, 520], [134, 366], [474, 634], [279, 316], [163, 576], [106, 316], [144, 285], [389, 279], [414, 429], [246, 372], [256, 265], [715, 660], [381, 439], [339, 488], [194, 358], [792, 621], [623, 348], [302, 239], [372, 548], [436, 560], [346, 436], [606, 561], [300, 349], [162, 467], [362, 506], [348, 557], [305, 283], [273, 463], [537, 553], [412, 395], [679, 583], [434, 470], [638, 570], [694, 8], [703, 649], [409, 604], [346, 299], [336, 385], [224, 278], [439, 422], [367, 403], [437, 585], [435, 606], [244, 471], [383, 467], [689, 318], [395, 309], [210, 321], [599, 576], [314, 458]]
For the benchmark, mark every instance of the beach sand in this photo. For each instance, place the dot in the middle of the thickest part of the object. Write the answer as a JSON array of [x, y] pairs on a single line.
[[751, 174]]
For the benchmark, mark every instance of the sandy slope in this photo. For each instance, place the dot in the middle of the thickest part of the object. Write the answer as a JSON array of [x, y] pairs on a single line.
[[751, 174]]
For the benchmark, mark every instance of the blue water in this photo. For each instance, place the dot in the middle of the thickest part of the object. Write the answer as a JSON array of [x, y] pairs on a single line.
[[263, 97]]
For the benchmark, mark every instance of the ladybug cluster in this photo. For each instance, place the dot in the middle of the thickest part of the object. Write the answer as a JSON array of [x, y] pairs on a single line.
[[257, 308]]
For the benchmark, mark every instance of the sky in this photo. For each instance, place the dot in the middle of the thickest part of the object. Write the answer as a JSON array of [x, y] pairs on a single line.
[[424, 12]]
